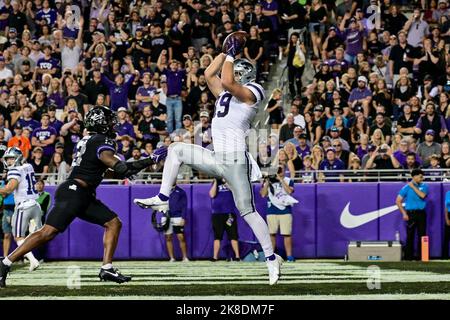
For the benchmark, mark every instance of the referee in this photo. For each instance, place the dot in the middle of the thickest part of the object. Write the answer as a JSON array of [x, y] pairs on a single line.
[[413, 195]]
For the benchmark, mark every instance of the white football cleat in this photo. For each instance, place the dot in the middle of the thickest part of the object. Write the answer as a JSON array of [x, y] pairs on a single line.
[[34, 264], [155, 203], [274, 267]]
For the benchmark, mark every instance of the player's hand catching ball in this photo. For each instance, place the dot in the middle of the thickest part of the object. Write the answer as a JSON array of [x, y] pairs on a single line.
[[234, 43], [159, 154]]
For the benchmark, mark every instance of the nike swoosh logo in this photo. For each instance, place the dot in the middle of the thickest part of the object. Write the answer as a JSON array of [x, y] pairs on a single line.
[[351, 221], [113, 274]]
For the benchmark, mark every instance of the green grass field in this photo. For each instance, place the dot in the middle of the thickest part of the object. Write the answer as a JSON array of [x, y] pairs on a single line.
[[304, 279]]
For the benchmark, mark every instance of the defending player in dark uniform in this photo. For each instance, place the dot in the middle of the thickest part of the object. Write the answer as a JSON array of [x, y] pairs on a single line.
[[75, 197]]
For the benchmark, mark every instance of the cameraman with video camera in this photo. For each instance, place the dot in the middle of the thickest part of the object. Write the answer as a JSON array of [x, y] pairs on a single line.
[[278, 189]]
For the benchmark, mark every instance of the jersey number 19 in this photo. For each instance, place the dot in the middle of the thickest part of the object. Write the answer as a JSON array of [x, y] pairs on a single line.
[[225, 103]]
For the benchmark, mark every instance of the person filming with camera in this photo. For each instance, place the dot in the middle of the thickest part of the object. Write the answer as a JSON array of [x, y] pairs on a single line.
[[278, 189]]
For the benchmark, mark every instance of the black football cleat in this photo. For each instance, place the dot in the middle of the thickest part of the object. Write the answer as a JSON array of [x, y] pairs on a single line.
[[4, 270], [114, 275]]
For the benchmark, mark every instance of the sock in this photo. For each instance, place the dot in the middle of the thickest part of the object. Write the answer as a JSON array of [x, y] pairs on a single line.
[[170, 172], [163, 197], [271, 258], [29, 255], [7, 262], [261, 231], [107, 266]]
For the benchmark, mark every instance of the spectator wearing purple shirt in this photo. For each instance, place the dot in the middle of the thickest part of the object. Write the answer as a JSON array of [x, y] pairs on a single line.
[[144, 92], [175, 77], [44, 137], [403, 151], [26, 120], [124, 127], [118, 89], [54, 123], [300, 144], [353, 36], [46, 15], [47, 64], [331, 163], [361, 95], [270, 10]]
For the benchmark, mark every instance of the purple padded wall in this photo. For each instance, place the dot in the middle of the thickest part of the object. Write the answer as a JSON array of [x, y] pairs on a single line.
[[86, 239], [332, 198], [317, 229], [58, 248]]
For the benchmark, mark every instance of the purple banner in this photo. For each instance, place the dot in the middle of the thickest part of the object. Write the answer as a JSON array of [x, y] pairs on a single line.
[[327, 217], [58, 248], [342, 211]]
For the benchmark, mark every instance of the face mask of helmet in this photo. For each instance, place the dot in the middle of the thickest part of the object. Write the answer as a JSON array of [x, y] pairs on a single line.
[[12, 153]]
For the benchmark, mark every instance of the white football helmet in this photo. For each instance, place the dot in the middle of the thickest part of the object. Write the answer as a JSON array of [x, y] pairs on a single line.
[[13, 152], [244, 71]]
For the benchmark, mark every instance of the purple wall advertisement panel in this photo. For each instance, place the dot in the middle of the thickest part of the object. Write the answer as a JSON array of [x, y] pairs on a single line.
[[146, 242], [304, 221], [86, 239], [392, 222], [332, 200], [58, 248], [327, 217]]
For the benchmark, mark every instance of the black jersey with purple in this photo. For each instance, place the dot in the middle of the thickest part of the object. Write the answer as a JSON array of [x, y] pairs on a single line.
[[86, 164], [223, 202]]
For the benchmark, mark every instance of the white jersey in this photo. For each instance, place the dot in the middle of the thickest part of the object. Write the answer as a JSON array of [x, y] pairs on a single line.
[[25, 194], [233, 119]]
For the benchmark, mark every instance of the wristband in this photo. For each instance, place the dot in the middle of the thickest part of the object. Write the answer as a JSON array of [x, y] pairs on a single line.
[[229, 59]]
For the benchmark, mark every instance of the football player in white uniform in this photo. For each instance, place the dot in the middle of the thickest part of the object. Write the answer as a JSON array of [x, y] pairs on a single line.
[[21, 181], [238, 99]]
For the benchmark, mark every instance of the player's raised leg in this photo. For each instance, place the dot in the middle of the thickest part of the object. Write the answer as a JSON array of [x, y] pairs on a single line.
[[179, 153], [238, 176]]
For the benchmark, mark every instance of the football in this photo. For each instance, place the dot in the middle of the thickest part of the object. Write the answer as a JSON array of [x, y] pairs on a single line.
[[240, 36]]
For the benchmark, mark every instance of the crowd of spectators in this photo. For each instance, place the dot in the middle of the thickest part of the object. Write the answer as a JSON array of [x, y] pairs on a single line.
[[379, 94], [378, 98], [143, 59]]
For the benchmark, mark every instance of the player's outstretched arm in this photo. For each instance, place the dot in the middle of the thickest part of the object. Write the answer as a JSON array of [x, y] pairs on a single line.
[[236, 89], [124, 169], [214, 83], [9, 188]]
